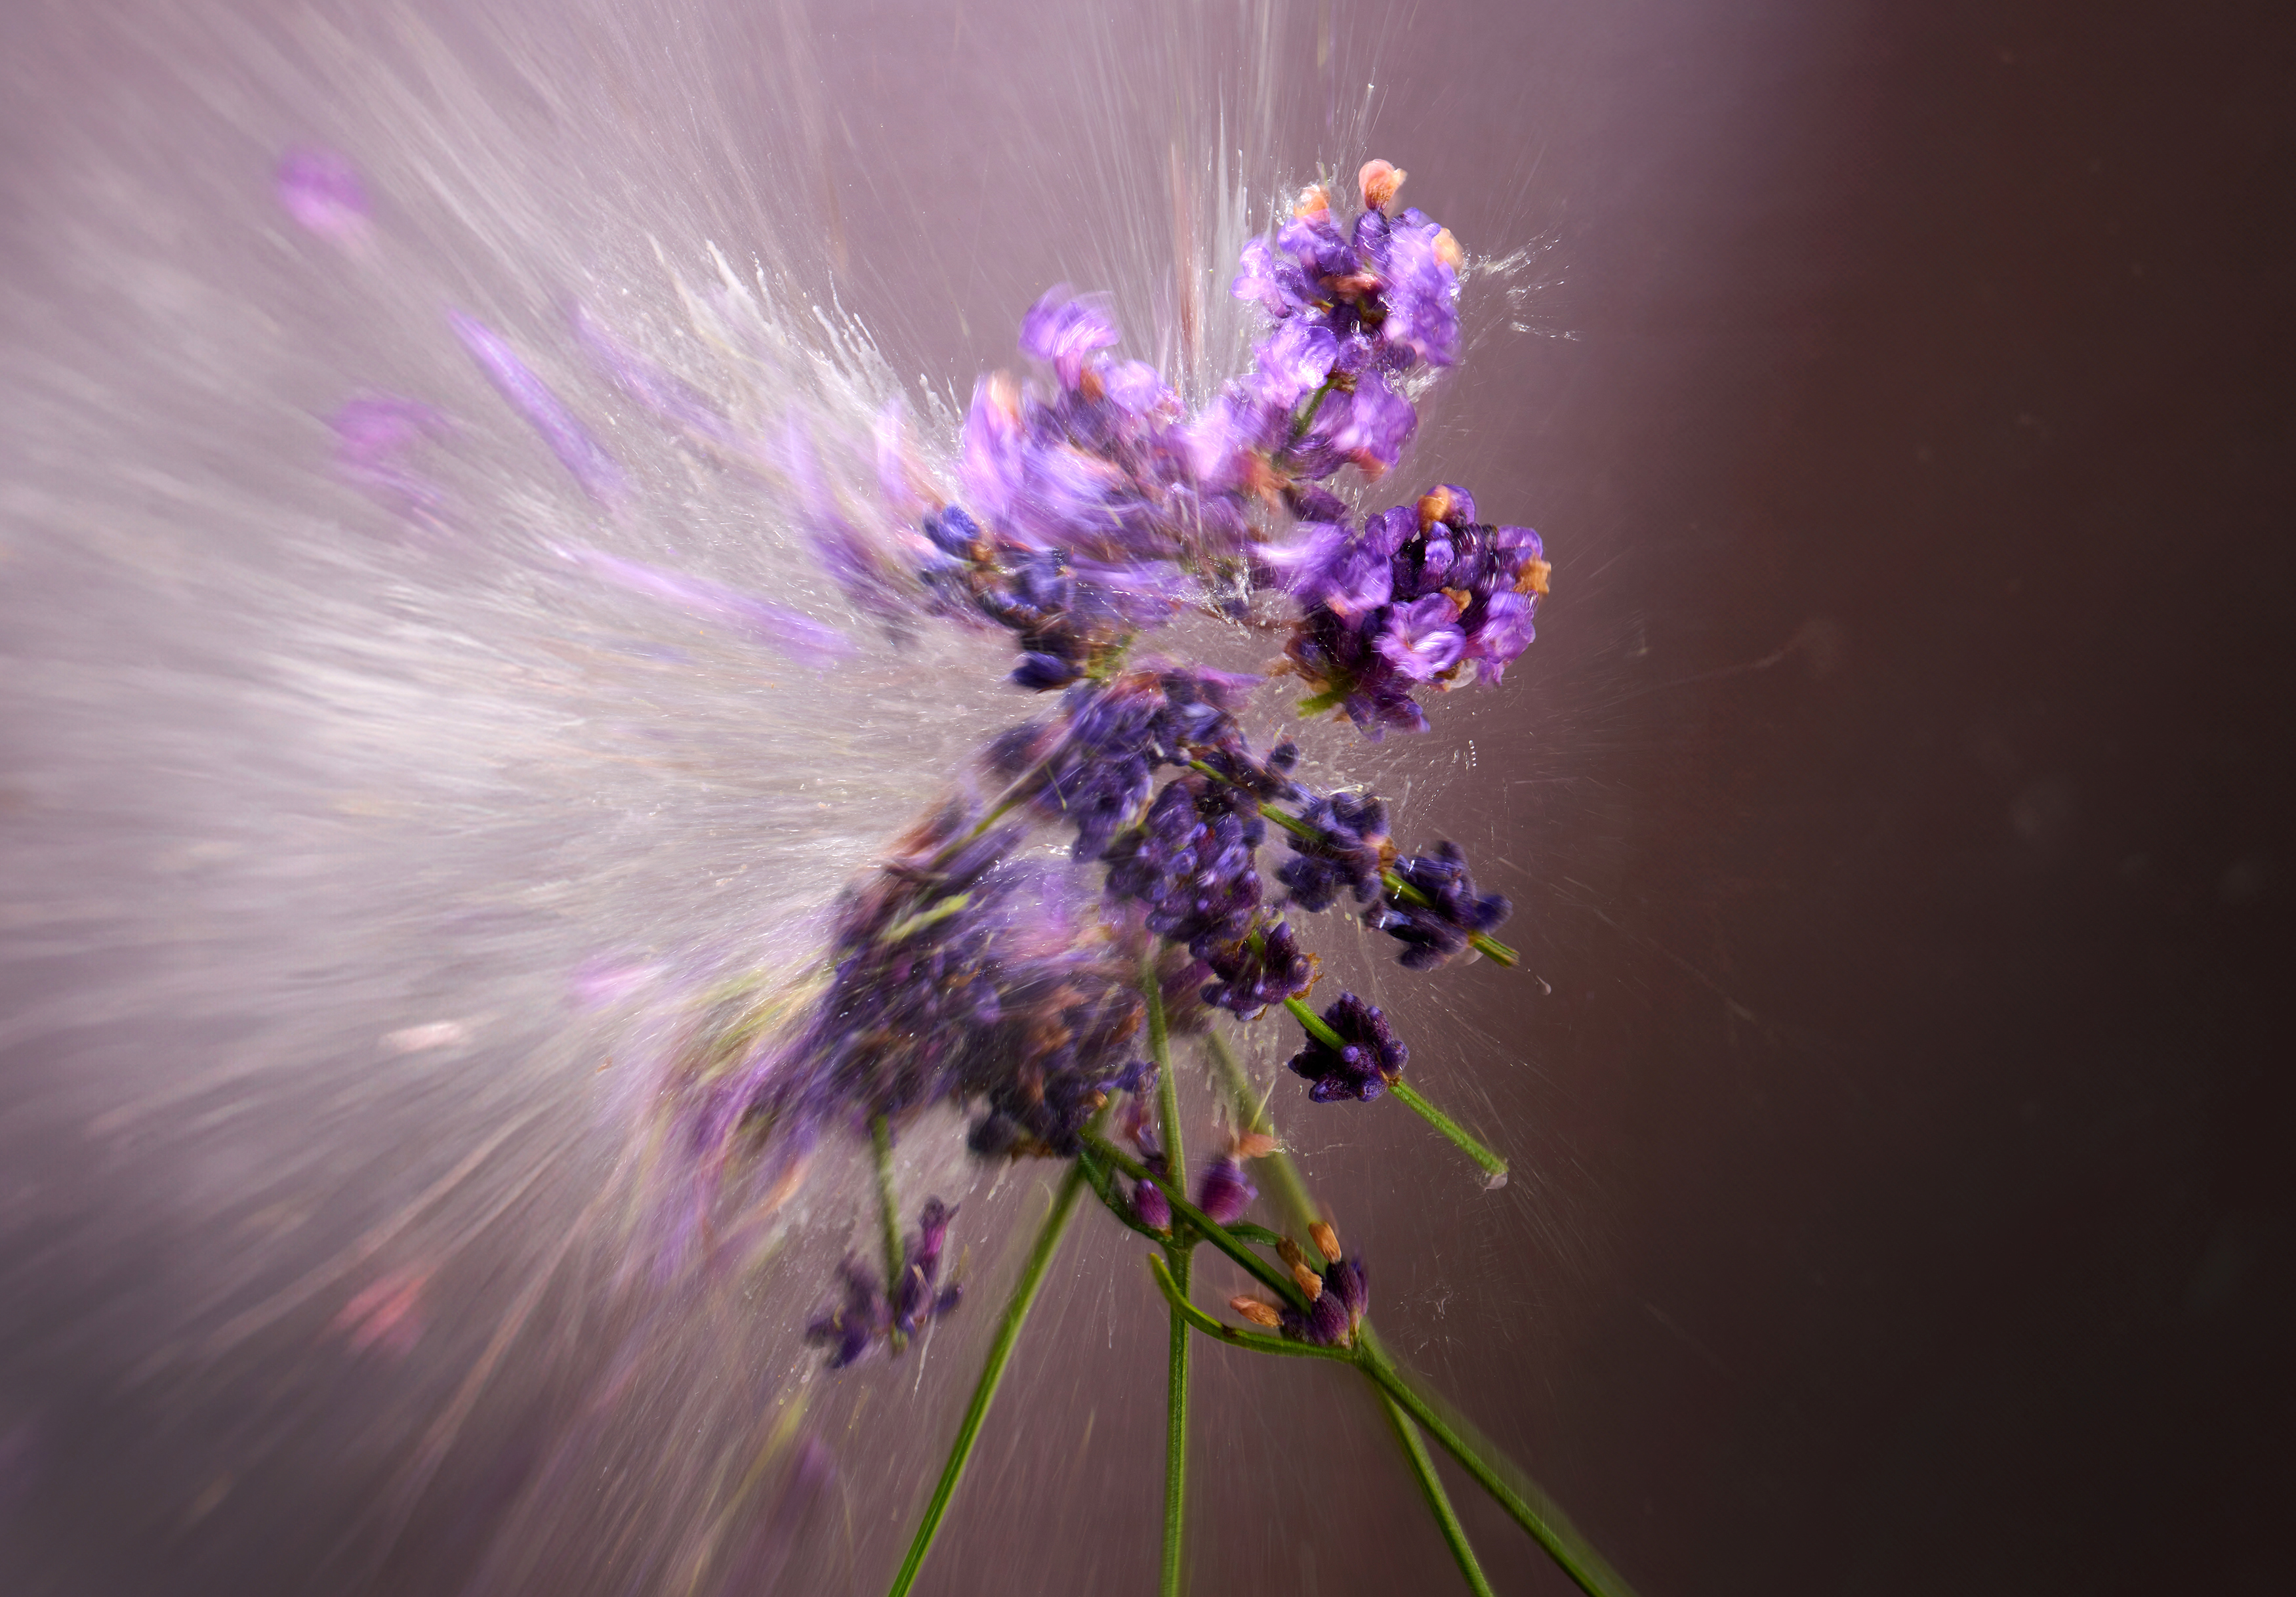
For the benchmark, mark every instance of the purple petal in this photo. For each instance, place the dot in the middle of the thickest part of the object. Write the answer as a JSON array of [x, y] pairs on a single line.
[[670, 397], [373, 434], [321, 190], [1421, 639], [803, 639], [1065, 333], [583, 456]]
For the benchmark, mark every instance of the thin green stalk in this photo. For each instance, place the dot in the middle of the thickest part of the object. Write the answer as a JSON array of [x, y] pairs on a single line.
[[1291, 1195], [1234, 1336], [1167, 1090], [1176, 1383], [1430, 1486], [1307, 417], [1524, 1503], [1317, 1027], [889, 1204], [1276, 1281], [1175, 1428], [984, 1391], [1493, 1165]]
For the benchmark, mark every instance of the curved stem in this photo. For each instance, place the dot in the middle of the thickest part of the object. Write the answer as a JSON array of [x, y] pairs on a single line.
[[1430, 1486], [1276, 1281], [1233, 1336], [984, 1390], [1167, 1090], [1522, 1500], [1408, 1095]]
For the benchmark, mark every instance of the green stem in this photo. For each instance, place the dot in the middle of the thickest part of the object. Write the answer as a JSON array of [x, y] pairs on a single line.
[[1231, 1334], [1522, 1500], [984, 1391], [1307, 417], [1276, 1281], [1430, 1486], [1492, 1469], [889, 1207], [1167, 1090], [1454, 1533], [1315, 1025], [1176, 1426], [1291, 1195], [1176, 1383], [1409, 1095]]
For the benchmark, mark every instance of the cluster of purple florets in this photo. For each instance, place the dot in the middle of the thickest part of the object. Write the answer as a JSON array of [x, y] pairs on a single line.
[[1418, 596], [1094, 508], [1443, 911], [868, 1313], [1369, 1058], [1331, 1316]]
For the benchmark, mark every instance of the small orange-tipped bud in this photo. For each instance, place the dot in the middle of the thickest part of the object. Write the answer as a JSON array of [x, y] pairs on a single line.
[[1326, 1239], [1379, 180], [1257, 1311], [1460, 596], [1448, 251], [1435, 505], [1255, 1145], [1535, 573], [1311, 1282], [1313, 203], [1290, 1252]]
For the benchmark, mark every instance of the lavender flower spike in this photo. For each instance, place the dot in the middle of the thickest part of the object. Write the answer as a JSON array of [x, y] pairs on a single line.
[[1369, 1058], [583, 456], [1454, 912]]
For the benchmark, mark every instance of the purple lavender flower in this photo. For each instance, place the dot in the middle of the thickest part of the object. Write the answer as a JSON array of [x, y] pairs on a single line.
[[1367, 427], [322, 191], [1420, 296], [1369, 1057], [847, 1327], [1347, 854], [1190, 865], [1098, 776], [1067, 335], [1225, 1191], [1419, 596], [1432, 933], [1421, 639], [914, 1300], [1265, 967], [866, 1315], [582, 454], [1150, 1206]]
